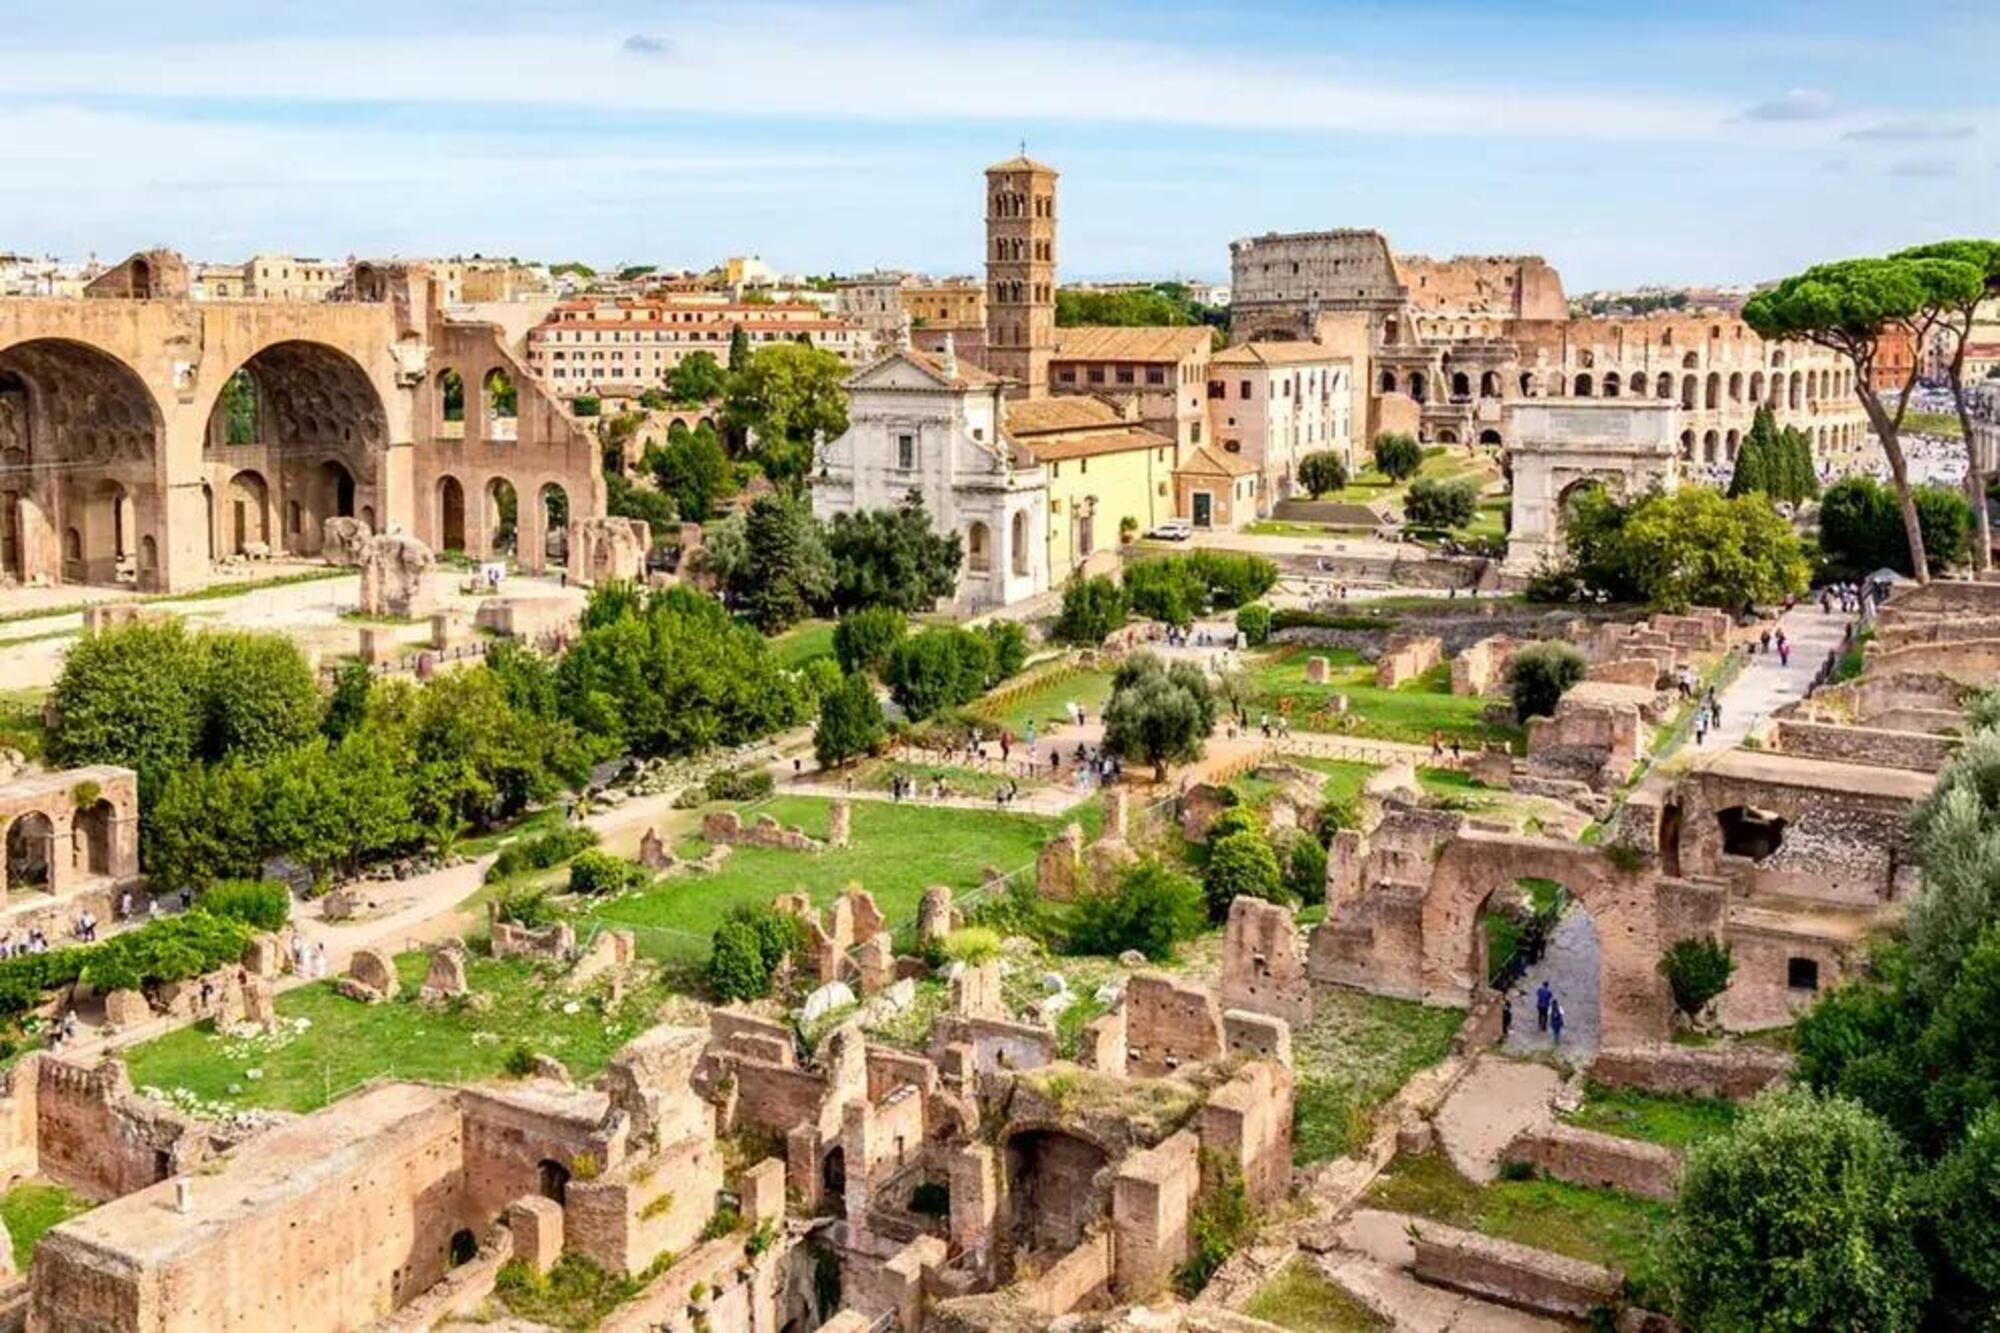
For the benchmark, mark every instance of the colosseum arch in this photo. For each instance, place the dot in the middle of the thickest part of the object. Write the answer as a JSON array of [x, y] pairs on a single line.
[[307, 422], [80, 443]]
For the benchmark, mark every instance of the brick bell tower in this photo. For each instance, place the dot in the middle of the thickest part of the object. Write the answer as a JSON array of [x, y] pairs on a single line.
[[1021, 273]]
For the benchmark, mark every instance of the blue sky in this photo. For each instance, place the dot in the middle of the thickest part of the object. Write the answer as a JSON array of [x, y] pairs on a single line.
[[1696, 141]]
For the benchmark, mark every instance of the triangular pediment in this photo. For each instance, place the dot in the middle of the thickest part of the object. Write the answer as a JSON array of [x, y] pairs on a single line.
[[896, 371]]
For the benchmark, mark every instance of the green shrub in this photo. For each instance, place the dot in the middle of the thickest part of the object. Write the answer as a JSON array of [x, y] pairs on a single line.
[[972, 945], [1336, 813], [1177, 588], [1253, 622], [1540, 675], [1236, 819], [1091, 609], [747, 950], [1305, 867], [1221, 1223], [519, 1061], [1398, 456], [598, 873], [528, 908], [742, 784], [1322, 472], [850, 722], [1240, 865], [1697, 970], [723, 1221], [939, 669], [1153, 908], [541, 851], [863, 639], [1009, 643], [1441, 504], [261, 904]]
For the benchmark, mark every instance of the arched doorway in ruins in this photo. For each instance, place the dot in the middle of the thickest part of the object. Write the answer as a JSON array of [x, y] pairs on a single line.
[[30, 840], [1535, 932], [1053, 1192], [503, 516], [80, 445], [451, 514]]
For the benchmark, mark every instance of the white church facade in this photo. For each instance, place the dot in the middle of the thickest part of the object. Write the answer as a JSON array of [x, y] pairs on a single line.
[[931, 427]]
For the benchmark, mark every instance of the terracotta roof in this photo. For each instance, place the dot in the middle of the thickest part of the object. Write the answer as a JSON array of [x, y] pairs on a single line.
[[1103, 343], [969, 375], [1204, 461], [1022, 162], [1043, 416], [1090, 444], [1275, 354]]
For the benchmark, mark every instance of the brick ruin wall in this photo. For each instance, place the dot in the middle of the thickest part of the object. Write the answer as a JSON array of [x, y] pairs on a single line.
[[1601, 1161], [1874, 746], [1737, 1072]]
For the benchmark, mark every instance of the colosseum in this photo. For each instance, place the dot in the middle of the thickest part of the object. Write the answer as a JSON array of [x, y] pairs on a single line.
[[1457, 342]]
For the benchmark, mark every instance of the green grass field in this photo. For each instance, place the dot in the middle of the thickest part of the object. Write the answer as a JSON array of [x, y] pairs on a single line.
[[1044, 704], [1298, 1298], [344, 1043], [30, 1208], [1410, 712], [803, 642], [1675, 1122], [1354, 1055], [895, 853], [1440, 463], [1599, 1226]]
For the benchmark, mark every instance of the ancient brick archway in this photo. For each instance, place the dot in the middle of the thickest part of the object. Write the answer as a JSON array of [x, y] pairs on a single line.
[[1057, 1183], [81, 435], [1637, 914]]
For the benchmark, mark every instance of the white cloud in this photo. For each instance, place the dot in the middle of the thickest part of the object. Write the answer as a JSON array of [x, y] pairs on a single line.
[[1914, 131], [1796, 104], [825, 63]]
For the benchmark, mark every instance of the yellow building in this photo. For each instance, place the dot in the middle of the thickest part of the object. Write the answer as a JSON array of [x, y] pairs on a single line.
[[1110, 478]]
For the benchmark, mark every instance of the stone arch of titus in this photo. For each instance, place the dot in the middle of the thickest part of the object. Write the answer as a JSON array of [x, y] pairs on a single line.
[[1626, 446], [126, 459]]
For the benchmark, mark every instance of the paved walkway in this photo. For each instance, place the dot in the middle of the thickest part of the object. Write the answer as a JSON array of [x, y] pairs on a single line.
[[1571, 967], [1766, 684], [1490, 1107]]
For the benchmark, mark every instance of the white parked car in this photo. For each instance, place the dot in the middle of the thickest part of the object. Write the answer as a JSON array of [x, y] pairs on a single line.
[[1173, 530]]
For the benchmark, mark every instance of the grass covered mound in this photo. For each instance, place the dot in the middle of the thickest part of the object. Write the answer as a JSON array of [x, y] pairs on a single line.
[[1663, 1118], [895, 852], [1353, 1056], [30, 1208], [327, 1045], [1300, 1299], [1410, 712]]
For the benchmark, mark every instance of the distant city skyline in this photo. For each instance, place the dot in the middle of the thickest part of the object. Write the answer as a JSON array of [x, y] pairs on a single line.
[[1702, 146]]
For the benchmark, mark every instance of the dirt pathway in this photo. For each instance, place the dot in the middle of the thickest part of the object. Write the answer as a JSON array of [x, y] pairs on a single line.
[[1492, 1104]]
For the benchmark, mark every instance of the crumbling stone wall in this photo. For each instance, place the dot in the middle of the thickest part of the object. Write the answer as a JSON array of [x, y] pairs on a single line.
[[1482, 668], [1169, 1023], [1246, 1126], [1263, 962], [95, 1136], [1737, 1071], [1873, 746], [1407, 657], [1513, 1274], [1601, 1161]]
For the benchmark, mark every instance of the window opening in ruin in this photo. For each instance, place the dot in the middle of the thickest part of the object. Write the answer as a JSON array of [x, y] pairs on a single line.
[[464, 1246], [552, 1180], [1802, 974], [1750, 832]]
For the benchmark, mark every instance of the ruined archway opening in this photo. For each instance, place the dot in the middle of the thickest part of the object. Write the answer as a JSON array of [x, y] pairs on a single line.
[[1053, 1194], [1750, 832], [503, 515], [96, 832], [1515, 923], [555, 522], [552, 1180], [29, 841], [451, 515], [80, 438]]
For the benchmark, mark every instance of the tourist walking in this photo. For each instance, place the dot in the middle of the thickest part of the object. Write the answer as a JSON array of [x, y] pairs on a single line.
[[1556, 1021], [1545, 997], [1506, 1017]]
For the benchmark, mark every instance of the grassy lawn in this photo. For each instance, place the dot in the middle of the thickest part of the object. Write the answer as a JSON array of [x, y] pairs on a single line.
[[1044, 704], [1353, 1056], [1934, 423], [1343, 779], [1675, 1122], [895, 853], [30, 1209], [1600, 1226], [1440, 463], [1298, 1298], [1410, 712], [21, 726], [803, 642], [329, 1044]]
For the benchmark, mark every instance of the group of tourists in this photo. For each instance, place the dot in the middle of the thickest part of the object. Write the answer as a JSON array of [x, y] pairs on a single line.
[[1549, 1015], [308, 959]]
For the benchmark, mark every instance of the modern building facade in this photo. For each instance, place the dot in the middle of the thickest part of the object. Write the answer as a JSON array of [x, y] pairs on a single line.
[[626, 346]]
